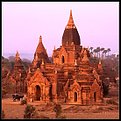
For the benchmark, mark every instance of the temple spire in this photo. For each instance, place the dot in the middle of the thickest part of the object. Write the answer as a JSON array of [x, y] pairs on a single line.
[[40, 53], [85, 57], [17, 56], [70, 21], [40, 47], [70, 36], [40, 39]]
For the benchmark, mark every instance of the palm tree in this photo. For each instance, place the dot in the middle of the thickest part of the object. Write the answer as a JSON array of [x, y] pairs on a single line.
[[95, 51], [105, 51], [91, 48], [102, 49], [98, 51], [108, 50]]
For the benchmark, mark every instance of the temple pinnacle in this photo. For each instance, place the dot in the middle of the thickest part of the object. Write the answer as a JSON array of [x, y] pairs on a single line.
[[40, 38], [17, 56], [70, 21]]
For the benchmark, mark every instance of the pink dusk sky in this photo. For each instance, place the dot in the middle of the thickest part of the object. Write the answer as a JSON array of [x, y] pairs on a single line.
[[23, 23]]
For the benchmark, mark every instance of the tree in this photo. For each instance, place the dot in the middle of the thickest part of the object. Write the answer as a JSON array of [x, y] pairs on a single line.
[[108, 50], [29, 111], [91, 48], [102, 49], [98, 51], [105, 51], [58, 110], [95, 51], [105, 89]]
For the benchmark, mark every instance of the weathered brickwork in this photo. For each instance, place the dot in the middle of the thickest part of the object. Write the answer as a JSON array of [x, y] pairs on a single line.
[[70, 78]]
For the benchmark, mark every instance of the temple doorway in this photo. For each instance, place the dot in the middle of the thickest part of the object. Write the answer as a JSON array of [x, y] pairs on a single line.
[[63, 60], [75, 96], [38, 92], [94, 96]]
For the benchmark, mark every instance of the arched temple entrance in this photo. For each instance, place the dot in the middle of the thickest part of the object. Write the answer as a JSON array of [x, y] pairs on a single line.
[[38, 92], [75, 96], [94, 96], [63, 60]]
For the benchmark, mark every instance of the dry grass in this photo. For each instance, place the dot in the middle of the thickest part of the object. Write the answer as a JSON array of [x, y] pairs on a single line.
[[13, 110]]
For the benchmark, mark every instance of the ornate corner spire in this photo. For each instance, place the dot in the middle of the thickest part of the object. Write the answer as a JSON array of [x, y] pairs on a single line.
[[75, 62], [100, 62], [85, 58], [43, 62], [70, 21], [40, 47], [17, 56]]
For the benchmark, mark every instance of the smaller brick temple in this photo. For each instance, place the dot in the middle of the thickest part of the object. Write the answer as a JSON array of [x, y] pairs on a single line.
[[18, 75], [69, 78]]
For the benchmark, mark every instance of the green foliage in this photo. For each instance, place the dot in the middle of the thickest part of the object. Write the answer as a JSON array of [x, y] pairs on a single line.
[[111, 102], [105, 89], [58, 110], [29, 111], [23, 101]]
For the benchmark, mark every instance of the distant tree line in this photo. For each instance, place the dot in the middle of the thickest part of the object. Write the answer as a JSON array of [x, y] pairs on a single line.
[[99, 52]]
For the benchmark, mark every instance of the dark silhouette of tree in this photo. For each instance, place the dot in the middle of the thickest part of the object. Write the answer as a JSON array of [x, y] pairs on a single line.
[[98, 52], [29, 111], [105, 52], [108, 50], [102, 49], [95, 52], [58, 110], [105, 85], [91, 48]]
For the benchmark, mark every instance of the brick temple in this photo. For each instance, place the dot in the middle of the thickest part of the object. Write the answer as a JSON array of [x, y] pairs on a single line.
[[69, 77]]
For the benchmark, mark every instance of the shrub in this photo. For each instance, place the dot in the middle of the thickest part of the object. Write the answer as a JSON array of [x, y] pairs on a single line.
[[49, 106], [58, 110], [29, 111], [105, 89], [111, 102], [24, 101]]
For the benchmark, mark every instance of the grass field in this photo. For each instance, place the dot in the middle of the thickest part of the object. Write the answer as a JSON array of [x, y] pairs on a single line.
[[13, 110]]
